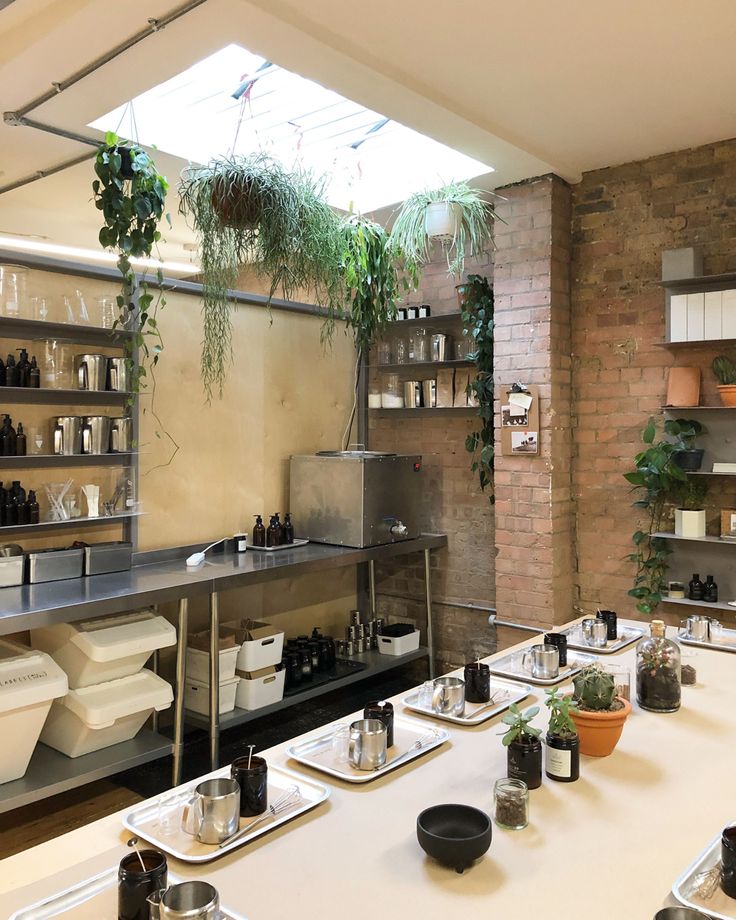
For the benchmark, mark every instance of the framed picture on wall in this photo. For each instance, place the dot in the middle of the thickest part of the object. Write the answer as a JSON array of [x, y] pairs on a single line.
[[728, 523], [524, 442]]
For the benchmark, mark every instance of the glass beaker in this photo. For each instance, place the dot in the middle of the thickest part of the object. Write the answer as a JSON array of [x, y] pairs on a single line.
[[13, 283]]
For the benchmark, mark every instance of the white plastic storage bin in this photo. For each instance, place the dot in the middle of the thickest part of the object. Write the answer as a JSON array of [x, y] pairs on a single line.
[[263, 650], [93, 718], [398, 645], [198, 664], [104, 649], [256, 692], [29, 681], [197, 696]]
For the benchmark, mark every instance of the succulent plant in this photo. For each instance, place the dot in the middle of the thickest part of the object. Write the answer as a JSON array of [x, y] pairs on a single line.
[[519, 728], [595, 689], [561, 709], [725, 370]]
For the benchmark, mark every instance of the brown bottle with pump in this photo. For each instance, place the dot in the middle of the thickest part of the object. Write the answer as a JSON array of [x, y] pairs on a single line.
[[273, 534], [34, 375], [20, 441], [11, 372], [24, 368], [34, 512], [259, 532], [288, 528]]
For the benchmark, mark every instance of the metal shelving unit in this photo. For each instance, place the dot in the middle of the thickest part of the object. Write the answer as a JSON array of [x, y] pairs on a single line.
[[51, 397], [685, 602], [43, 461], [72, 523], [698, 408], [424, 413], [38, 330], [706, 539], [421, 365], [436, 321]]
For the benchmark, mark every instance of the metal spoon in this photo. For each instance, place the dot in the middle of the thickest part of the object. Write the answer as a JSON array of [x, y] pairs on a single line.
[[491, 702]]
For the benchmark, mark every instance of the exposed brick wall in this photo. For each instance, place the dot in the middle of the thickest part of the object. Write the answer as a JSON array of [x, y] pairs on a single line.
[[623, 217], [534, 514]]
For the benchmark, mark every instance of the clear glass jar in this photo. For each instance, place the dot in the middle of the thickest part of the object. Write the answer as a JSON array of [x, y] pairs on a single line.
[[658, 671], [374, 396], [511, 804], [13, 289], [391, 392], [421, 345], [384, 352], [400, 350]]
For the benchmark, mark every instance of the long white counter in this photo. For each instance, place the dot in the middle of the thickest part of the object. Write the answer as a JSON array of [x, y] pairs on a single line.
[[606, 847]]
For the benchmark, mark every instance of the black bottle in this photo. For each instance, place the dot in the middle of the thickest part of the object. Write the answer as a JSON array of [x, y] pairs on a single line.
[[288, 528], [11, 510], [20, 441], [695, 588], [24, 512], [24, 368], [710, 590], [3, 502], [259, 532], [34, 375], [281, 539], [8, 438], [273, 534], [11, 372], [34, 512], [2, 373], [18, 492]]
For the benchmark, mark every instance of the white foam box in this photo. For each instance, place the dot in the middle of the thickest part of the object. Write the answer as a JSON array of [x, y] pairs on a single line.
[[728, 314], [29, 682], [260, 688], [92, 718], [678, 318], [398, 645], [261, 644], [198, 664], [197, 696], [106, 648], [695, 317], [712, 323]]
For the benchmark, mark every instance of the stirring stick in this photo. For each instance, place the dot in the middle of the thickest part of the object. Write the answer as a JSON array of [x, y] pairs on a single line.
[[133, 842], [250, 753]]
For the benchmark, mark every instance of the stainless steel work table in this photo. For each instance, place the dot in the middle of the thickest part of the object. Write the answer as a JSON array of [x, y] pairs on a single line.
[[162, 577]]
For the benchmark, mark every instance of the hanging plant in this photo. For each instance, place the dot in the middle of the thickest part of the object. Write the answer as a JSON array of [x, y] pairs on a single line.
[[455, 214], [251, 210], [477, 317], [131, 194]]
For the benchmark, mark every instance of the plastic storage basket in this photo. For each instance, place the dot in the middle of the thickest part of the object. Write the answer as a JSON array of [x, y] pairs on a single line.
[[198, 664], [257, 692], [197, 696]]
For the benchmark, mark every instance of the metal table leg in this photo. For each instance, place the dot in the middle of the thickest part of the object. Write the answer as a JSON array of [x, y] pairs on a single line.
[[372, 586], [428, 596], [214, 680], [154, 668], [181, 677]]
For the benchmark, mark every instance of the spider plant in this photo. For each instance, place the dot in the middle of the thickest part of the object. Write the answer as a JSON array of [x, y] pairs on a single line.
[[473, 225]]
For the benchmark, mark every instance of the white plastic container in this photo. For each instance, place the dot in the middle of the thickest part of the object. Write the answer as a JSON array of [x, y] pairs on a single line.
[[256, 692], [104, 649], [198, 664], [260, 653], [93, 718], [398, 645], [197, 696], [29, 681]]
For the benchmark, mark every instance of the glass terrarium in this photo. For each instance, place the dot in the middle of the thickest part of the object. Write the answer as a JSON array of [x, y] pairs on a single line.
[[658, 672]]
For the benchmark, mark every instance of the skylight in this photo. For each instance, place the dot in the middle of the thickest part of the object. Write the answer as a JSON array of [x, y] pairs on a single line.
[[236, 101]]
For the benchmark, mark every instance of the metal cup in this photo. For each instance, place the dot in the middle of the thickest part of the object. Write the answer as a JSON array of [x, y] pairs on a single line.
[[429, 393], [412, 394], [697, 628], [212, 814], [542, 661], [67, 435], [367, 745], [118, 375], [190, 901], [448, 696], [595, 632], [121, 435], [96, 434], [91, 371]]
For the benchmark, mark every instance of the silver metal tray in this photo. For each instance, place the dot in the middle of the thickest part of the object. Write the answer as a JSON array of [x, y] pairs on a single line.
[[626, 636], [719, 906], [144, 819], [317, 751], [505, 693], [727, 644], [510, 666], [94, 899], [277, 549]]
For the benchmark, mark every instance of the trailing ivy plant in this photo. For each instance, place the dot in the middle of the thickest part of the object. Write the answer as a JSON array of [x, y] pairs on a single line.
[[477, 315], [131, 194], [659, 479]]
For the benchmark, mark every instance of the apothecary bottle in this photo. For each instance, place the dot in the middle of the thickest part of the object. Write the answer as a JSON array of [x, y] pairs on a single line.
[[658, 673]]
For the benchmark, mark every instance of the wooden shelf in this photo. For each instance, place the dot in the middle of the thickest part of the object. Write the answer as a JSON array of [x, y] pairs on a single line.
[[706, 539], [703, 281], [38, 330], [422, 365], [42, 461], [72, 524], [440, 319], [424, 413], [50, 396], [707, 473], [703, 343]]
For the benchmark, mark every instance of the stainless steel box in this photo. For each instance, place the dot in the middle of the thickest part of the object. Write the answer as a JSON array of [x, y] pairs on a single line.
[[103, 558], [12, 570], [356, 498], [55, 564]]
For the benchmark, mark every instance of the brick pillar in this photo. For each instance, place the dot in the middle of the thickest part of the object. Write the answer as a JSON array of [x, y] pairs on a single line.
[[534, 514]]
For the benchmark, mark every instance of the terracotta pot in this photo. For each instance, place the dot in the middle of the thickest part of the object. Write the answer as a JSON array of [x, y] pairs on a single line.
[[728, 394], [599, 731]]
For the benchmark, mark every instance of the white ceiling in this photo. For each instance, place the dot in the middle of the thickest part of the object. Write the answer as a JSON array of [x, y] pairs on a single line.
[[531, 88]]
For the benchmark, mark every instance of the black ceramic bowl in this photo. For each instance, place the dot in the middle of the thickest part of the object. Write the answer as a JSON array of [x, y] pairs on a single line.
[[455, 835]]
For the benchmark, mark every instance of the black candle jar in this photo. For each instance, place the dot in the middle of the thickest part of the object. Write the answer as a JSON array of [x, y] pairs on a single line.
[[728, 861], [562, 760], [135, 883], [559, 641], [611, 620], [384, 712], [253, 782], [477, 678], [524, 762]]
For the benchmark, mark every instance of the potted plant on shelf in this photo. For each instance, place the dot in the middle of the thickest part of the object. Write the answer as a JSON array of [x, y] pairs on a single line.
[[477, 316], [524, 749], [562, 758], [685, 431], [725, 370], [455, 215], [599, 714], [690, 513]]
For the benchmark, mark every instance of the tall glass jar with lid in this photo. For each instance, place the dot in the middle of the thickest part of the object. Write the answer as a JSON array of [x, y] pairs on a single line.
[[658, 674]]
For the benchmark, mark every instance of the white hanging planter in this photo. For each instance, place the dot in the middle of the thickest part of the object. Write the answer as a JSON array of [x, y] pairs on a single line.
[[441, 219], [689, 524]]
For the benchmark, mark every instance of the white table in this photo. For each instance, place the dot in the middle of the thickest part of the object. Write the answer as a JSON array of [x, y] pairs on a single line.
[[608, 846]]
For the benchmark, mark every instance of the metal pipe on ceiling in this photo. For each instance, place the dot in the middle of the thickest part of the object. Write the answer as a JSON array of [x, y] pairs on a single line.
[[43, 173]]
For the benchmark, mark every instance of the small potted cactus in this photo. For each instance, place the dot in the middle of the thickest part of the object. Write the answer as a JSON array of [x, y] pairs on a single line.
[[562, 756], [725, 370], [600, 714], [524, 749]]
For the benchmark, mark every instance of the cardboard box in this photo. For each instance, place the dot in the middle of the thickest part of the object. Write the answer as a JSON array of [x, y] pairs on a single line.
[[250, 631], [201, 640], [462, 380], [256, 675], [445, 388], [261, 644]]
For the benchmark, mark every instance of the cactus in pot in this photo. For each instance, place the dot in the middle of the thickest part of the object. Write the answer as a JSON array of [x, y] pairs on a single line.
[[600, 714], [725, 370]]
